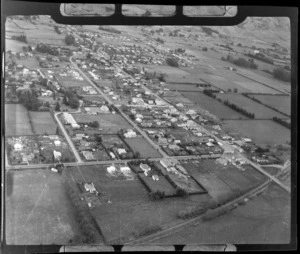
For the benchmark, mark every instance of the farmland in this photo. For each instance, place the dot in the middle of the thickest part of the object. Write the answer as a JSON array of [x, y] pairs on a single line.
[[260, 131], [15, 46], [109, 123], [17, 120], [139, 144], [178, 99], [130, 212], [260, 111], [213, 106], [270, 211], [38, 210], [42, 122], [183, 87], [281, 103]]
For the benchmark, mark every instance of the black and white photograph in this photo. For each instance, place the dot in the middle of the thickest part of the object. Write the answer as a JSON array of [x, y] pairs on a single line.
[[148, 126]]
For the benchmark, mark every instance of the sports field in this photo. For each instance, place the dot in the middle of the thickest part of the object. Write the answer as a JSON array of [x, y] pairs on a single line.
[[38, 210], [260, 111], [260, 131], [17, 120]]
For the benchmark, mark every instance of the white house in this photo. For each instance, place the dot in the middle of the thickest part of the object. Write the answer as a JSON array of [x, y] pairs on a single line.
[[57, 142], [57, 155], [130, 134], [18, 147]]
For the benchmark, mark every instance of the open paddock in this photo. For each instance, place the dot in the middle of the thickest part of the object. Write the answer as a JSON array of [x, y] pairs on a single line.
[[42, 122], [108, 122], [178, 99], [260, 131], [280, 102], [213, 106], [141, 145], [183, 87], [260, 111], [17, 120], [14, 46], [38, 210]]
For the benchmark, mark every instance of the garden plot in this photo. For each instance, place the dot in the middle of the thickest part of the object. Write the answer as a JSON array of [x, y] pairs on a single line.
[[17, 120], [260, 111]]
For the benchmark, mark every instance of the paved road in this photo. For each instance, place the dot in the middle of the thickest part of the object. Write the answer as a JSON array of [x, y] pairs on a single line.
[[121, 112], [70, 142]]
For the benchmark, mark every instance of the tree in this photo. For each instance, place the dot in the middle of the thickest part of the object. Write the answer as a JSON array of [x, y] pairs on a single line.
[[57, 106], [172, 62], [282, 74], [235, 90], [69, 39]]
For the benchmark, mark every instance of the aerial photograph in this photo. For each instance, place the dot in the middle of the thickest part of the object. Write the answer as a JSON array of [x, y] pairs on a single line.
[[157, 135]]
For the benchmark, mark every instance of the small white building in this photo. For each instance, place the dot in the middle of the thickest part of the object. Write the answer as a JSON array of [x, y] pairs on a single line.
[[18, 147], [57, 155], [57, 142]]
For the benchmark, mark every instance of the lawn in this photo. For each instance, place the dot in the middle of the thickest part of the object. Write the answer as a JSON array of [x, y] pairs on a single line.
[[260, 111], [260, 131], [109, 123], [213, 106], [42, 122], [141, 145], [38, 210], [130, 212], [16, 120], [281, 103]]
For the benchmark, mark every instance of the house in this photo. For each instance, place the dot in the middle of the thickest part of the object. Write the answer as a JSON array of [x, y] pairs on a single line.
[[145, 167], [121, 151], [88, 155], [130, 134], [111, 169], [57, 155], [165, 163], [182, 169], [112, 155], [18, 147], [89, 187], [155, 177], [57, 142]]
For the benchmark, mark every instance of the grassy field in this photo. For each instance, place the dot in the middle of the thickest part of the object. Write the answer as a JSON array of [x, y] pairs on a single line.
[[260, 111], [281, 103], [260, 131], [222, 181], [178, 99], [13, 45], [38, 210], [130, 212], [272, 82], [108, 122], [213, 106], [17, 120], [266, 218], [30, 62], [183, 87], [141, 145], [43, 122]]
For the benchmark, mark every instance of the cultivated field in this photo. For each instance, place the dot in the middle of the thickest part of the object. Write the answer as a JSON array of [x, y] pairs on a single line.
[[266, 218], [109, 123], [17, 120], [141, 145], [281, 103], [38, 210], [213, 106], [260, 111], [260, 131], [42, 122]]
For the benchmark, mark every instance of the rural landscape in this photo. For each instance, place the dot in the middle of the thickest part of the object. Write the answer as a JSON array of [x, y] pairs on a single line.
[[147, 134]]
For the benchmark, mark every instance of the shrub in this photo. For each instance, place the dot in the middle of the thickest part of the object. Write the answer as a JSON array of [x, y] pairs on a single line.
[[69, 39], [281, 74], [172, 62]]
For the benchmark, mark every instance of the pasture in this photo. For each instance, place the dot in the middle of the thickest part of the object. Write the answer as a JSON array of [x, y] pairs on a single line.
[[281, 103], [213, 106], [14, 46], [260, 111], [17, 120], [42, 122], [183, 87], [141, 145], [260, 131], [38, 210], [130, 212], [109, 123]]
